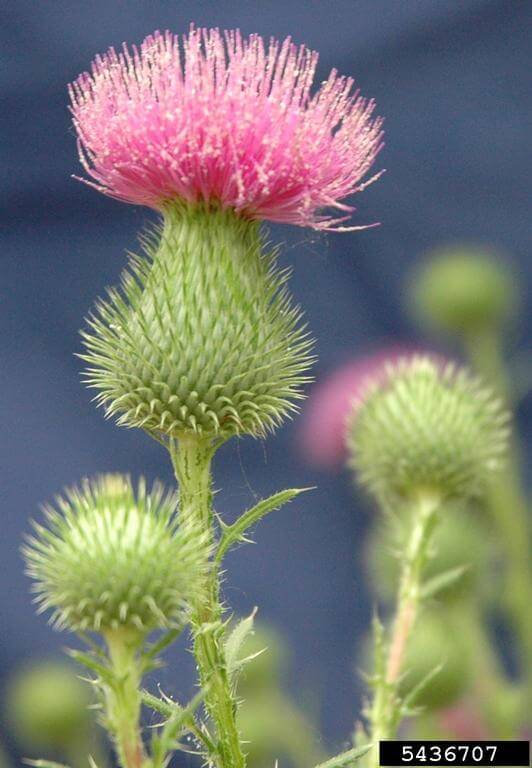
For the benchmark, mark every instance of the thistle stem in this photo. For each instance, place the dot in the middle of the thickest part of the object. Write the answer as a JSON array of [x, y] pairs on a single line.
[[510, 511], [192, 457], [385, 714], [123, 699]]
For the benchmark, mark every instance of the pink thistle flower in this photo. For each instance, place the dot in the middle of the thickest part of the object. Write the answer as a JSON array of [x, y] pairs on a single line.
[[463, 721], [231, 121], [322, 436]]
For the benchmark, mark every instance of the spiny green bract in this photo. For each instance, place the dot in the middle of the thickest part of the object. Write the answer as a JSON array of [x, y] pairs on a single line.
[[110, 558], [202, 337], [428, 426]]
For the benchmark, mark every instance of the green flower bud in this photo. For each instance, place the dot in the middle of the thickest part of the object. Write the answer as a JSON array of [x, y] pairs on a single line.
[[427, 427], [459, 540], [202, 337], [465, 290], [47, 705], [431, 644], [109, 558]]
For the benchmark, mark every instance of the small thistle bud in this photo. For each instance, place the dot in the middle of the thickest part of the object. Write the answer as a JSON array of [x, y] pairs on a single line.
[[427, 427], [460, 290], [202, 339], [110, 558], [48, 706]]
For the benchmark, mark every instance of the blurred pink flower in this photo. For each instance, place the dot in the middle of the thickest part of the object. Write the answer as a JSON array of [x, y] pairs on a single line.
[[323, 422], [230, 120], [463, 721]]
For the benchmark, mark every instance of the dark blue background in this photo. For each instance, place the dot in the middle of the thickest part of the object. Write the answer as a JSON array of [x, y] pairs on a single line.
[[452, 78]]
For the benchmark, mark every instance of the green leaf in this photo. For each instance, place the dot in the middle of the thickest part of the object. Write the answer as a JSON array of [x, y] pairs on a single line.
[[149, 658], [91, 663], [379, 644], [443, 581], [178, 720], [232, 534], [44, 764], [346, 759], [163, 706], [410, 698], [234, 643], [164, 641]]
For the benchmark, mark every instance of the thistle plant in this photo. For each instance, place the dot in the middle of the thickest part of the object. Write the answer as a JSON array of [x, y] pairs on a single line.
[[471, 296], [200, 343], [424, 434], [114, 562]]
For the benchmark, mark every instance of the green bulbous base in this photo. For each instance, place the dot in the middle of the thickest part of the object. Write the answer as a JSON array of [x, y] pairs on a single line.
[[112, 559], [202, 336], [427, 426]]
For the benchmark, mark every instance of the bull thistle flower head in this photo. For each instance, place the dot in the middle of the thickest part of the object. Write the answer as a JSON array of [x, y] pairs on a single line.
[[218, 118], [216, 132], [109, 558], [427, 427]]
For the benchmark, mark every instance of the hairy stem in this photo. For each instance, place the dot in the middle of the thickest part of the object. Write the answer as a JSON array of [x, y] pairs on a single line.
[[191, 457], [385, 714], [123, 699]]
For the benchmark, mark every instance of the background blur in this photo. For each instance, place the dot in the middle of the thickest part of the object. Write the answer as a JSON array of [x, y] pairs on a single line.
[[452, 79]]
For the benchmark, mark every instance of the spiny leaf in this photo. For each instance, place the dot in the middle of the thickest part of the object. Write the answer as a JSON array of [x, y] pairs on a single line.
[[232, 534], [411, 697], [44, 764], [162, 706], [235, 641], [379, 642], [179, 720], [87, 660], [346, 759], [443, 581], [150, 656]]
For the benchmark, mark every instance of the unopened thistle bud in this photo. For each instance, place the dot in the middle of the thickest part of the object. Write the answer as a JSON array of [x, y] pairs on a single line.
[[48, 706], [202, 338], [460, 290], [109, 558], [427, 427]]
